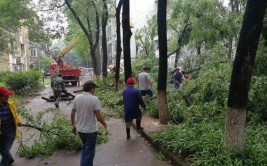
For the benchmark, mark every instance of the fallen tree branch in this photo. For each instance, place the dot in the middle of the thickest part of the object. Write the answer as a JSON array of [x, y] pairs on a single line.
[[68, 94], [47, 99], [39, 129]]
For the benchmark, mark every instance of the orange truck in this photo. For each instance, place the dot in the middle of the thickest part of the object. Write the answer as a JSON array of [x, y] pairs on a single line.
[[70, 74]]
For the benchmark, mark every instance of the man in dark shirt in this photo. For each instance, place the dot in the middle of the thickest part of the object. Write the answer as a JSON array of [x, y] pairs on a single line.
[[9, 122], [132, 99], [178, 78]]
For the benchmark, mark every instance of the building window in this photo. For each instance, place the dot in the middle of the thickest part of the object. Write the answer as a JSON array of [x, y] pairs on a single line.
[[18, 60], [17, 68], [22, 49], [33, 52]]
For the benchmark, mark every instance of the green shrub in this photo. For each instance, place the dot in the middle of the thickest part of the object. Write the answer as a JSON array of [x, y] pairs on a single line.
[[152, 107], [199, 106], [258, 97], [201, 99], [20, 82], [202, 144], [111, 101], [261, 60], [3, 75]]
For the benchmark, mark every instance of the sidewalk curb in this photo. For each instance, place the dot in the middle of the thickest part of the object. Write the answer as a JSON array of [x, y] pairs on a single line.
[[175, 160]]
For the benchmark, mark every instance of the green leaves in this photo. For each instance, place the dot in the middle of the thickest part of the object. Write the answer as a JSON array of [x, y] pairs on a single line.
[[14, 14], [257, 98], [202, 144], [56, 134], [209, 21], [22, 81]]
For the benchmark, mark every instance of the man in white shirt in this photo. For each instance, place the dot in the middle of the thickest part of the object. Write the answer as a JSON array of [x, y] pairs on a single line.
[[86, 112], [145, 83]]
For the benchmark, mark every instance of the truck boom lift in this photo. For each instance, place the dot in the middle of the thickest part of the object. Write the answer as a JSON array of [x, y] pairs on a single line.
[[61, 54], [70, 74]]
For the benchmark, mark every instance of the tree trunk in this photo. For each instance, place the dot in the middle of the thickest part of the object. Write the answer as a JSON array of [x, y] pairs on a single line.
[[163, 62], [182, 37], [163, 107], [97, 63], [88, 33], [118, 55], [104, 39], [126, 39], [241, 75], [235, 121]]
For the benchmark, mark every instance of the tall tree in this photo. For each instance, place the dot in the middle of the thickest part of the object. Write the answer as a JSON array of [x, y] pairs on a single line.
[[118, 55], [127, 33], [201, 25], [163, 62], [104, 19], [86, 22], [234, 135], [182, 40]]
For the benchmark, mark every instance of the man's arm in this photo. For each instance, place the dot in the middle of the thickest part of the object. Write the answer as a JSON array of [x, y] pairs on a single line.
[[63, 85], [150, 83], [140, 99], [101, 119], [73, 111]]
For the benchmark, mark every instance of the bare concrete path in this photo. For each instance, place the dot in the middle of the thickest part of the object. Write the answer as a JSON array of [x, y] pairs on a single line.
[[118, 151]]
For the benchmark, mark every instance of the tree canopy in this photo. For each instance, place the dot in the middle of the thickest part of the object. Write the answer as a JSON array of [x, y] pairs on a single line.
[[14, 14]]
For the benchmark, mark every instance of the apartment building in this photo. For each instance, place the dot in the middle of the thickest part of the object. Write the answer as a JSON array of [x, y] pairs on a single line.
[[36, 51], [18, 58]]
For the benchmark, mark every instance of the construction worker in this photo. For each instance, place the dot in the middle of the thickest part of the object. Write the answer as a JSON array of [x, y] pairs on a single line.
[[57, 86]]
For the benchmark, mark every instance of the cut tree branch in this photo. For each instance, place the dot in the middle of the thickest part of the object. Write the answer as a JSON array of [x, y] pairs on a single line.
[[39, 129]]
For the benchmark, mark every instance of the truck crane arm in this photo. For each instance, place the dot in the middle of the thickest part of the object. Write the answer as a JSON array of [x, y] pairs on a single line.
[[61, 54]]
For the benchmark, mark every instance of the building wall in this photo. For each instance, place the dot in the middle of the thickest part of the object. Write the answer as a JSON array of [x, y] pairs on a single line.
[[18, 59], [4, 62], [24, 48]]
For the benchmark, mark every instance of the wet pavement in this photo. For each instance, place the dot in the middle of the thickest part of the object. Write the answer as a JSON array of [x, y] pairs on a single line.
[[118, 151]]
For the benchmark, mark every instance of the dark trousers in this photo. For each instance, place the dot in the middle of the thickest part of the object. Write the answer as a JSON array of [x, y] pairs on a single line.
[[7, 138], [88, 150], [146, 92], [57, 96]]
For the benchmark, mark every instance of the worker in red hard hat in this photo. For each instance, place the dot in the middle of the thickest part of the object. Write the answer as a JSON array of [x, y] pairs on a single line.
[[132, 99]]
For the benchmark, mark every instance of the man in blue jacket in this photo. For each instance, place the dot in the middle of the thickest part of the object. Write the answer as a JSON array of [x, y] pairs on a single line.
[[132, 99]]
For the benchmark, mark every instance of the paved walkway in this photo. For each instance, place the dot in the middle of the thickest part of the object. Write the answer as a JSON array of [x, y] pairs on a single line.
[[118, 151]]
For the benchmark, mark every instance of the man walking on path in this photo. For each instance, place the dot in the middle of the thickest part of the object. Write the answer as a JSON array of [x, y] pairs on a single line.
[[58, 87], [145, 83], [86, 109], [131, 100]]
